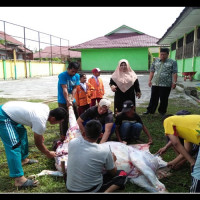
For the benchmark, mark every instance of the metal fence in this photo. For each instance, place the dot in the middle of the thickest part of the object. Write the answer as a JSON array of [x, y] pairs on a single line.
[[28, 44]]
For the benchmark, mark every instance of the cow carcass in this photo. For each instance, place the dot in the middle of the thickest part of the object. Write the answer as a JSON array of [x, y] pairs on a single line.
[[140, 165]]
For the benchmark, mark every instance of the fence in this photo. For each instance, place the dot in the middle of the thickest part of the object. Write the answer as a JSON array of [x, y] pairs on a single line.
[[20, 46]]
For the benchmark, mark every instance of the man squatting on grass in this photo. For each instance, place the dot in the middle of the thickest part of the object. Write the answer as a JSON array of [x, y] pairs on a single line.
[[186, 127], [15, 114]]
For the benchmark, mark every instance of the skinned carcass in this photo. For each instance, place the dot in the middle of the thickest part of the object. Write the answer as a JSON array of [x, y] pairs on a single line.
[[140, 165]]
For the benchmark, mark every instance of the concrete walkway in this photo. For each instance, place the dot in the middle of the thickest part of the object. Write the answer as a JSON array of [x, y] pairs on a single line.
[[46, 88]]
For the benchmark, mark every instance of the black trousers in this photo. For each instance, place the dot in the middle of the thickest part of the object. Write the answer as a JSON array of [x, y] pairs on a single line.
[[159, 93]]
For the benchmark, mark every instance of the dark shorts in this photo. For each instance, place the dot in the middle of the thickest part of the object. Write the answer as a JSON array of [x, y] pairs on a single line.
[[119, 180]]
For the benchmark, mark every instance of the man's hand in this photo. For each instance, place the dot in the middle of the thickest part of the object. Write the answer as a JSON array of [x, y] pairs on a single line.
[[114, 157], [51, 154]]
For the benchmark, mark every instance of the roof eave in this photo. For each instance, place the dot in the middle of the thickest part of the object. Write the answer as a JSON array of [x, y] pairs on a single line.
[[186, 11]]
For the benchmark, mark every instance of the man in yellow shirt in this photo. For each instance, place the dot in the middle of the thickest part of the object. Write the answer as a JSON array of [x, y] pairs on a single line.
[[188, 128]]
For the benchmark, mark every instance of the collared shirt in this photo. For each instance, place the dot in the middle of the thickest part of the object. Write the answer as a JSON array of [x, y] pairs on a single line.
[[163, 72]]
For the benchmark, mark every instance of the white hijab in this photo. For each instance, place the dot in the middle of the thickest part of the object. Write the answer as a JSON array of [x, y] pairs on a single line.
[[124, 80]]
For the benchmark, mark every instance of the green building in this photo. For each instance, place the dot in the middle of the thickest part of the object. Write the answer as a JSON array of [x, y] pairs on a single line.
[[184, 39], [122, 43]]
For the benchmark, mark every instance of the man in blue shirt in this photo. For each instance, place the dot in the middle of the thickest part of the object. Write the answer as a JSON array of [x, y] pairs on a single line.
[[67, 82]]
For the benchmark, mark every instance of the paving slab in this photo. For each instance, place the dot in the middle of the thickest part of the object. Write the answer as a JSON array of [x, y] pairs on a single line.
[[46, 88]]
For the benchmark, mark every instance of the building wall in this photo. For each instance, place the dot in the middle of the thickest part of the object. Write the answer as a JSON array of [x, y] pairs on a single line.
[[107, 59], [187, 65], [8, 69]]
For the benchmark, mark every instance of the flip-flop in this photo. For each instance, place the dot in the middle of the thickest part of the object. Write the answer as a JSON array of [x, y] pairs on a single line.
[[28, 183], [31, 161]]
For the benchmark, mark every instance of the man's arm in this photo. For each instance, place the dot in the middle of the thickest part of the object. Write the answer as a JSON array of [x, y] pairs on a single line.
[[179, 147], [39, 142], [174, 81], [118, 135], [107, 132], [66, 95], [74, 92], [80, 124], [148, 134], [150, 78]]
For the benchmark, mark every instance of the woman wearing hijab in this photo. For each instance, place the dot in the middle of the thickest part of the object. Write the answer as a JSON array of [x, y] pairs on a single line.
[[125, 84]]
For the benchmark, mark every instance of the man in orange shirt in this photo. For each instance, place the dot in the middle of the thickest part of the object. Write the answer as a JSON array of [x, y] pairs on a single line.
[[97, 83]]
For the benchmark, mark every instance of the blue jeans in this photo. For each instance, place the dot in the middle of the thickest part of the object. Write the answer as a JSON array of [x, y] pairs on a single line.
[[130, 130], [103, 128]]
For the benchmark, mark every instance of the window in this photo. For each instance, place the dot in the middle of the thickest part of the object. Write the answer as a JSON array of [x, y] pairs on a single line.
[[179, 51], [188, 51], [173, 46], [197, 44]]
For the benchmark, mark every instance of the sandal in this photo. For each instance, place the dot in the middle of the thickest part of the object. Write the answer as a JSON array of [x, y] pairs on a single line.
[[28, 183], [31, 161]]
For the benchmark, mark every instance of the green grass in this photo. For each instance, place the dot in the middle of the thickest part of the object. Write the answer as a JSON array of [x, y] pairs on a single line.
[[179, 182]]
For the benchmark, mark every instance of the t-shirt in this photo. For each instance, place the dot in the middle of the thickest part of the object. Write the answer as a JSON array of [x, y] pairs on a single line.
[[184, 126], [30, 114], [85, 164], [65, 79], [122, 117], [92, 113]]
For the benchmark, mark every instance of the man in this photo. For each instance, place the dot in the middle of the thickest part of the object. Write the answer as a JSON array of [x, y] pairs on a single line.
[[102, 113], [15, 114], [86, 161], [162, 77], [192, 152], [97, 83], [186, 127], [67, 82], [129, 124]]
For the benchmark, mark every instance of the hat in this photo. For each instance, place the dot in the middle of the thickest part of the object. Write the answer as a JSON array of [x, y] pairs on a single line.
[[96, 70], [127, 106], [105, 102], [183, 112]]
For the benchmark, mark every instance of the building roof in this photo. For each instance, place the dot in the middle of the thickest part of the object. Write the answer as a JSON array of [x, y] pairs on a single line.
[[184, 23], [57, 51], [122, 37], [12, 41]]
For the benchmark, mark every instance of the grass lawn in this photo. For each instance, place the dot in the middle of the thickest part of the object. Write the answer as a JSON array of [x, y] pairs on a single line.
[[179, 182]]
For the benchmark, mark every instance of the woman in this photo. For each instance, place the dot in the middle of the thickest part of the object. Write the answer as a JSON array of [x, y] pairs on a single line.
[[125, 84]]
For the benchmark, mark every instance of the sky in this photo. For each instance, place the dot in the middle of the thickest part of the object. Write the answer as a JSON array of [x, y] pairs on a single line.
[[81, 24]]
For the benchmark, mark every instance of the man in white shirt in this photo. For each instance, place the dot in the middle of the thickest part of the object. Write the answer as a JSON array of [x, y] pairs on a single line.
[[15, 114], [86, 161]]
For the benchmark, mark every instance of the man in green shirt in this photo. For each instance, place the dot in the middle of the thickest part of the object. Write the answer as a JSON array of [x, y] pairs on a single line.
[[162, 77]]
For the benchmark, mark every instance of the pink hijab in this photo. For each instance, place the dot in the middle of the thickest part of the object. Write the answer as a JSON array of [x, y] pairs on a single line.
[[124, 80]]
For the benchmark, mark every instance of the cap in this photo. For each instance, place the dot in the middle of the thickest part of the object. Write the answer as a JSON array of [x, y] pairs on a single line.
[[96, 70], [127, 105], [105, 102]]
